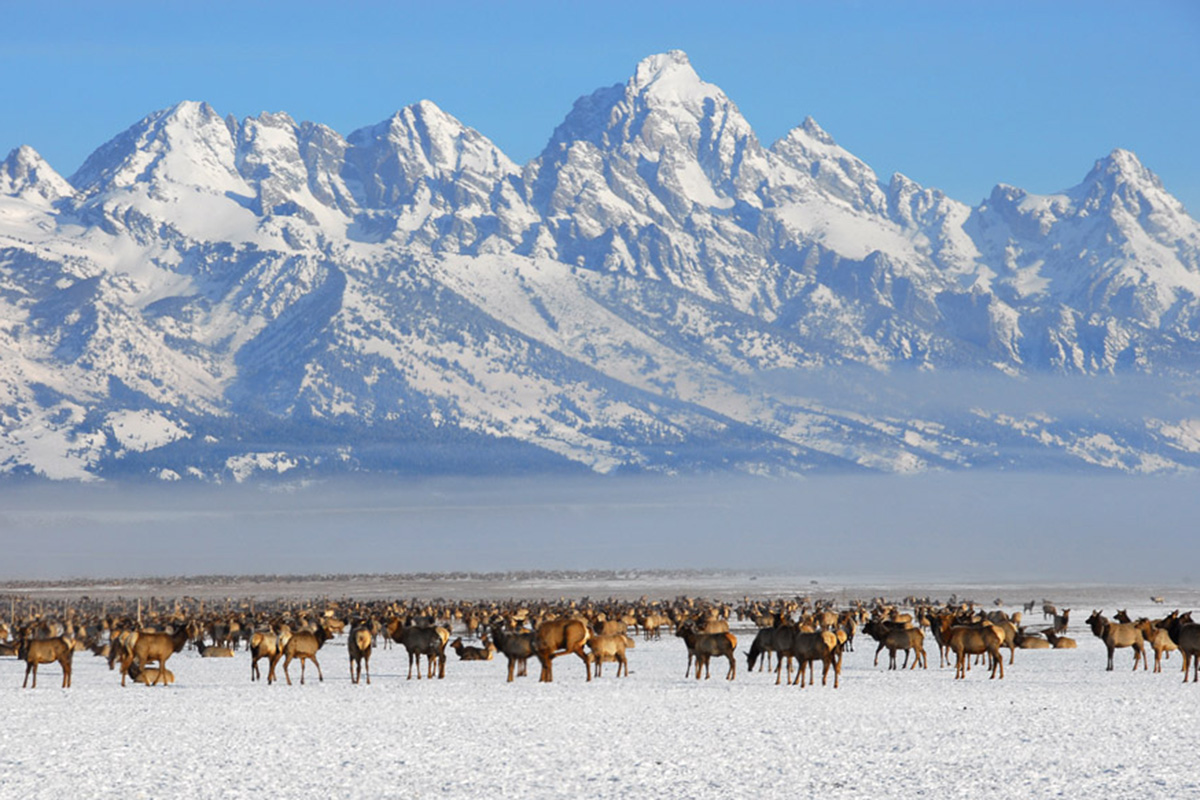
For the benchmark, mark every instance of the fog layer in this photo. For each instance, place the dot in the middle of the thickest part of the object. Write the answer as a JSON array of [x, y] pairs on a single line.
[[977, 526]]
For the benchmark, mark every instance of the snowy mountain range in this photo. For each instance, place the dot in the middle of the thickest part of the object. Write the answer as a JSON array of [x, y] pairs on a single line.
[[215, 299]]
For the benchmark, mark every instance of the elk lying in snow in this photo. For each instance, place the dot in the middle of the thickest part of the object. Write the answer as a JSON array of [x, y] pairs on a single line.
[[703, 646], [46, 651], [1058, 642], [304, 646], [516, 646], [150, 676], [145, 647], [468, 653], [358, 645], [1115, 635], [214, 651], [557, 637], [1031, 641], [610, 647], [264, 644]]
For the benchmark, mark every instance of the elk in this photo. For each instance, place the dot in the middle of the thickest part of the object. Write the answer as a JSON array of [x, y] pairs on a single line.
[[147, 677], [1115, 634], [423, 640], [703, 646], [610, 647], [1058, 642], [808, 647], [214, 651], [468, 653], [968, 640], [1158, 639], [766, 642], [46, 651], [557, 637], [516, 646], [145, 647], [1031, 641], [894, 638], [304, 646], [358, 645], [264, 644], [1186, 636]]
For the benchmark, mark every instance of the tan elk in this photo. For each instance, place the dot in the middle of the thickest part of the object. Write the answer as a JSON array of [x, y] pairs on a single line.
[[146, 646], [1116, 635], [610, 647], [968, 640], [46, 651], [264, 644], [556, 637], [304, 646]]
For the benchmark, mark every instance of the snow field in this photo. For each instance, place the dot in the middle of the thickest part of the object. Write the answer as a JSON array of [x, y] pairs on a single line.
[[1058, 725]]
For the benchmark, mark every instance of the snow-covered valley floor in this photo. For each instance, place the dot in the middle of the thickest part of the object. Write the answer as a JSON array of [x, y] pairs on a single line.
[[1057, 725]]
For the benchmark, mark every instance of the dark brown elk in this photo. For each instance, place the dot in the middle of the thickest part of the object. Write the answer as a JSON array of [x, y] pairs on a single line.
[[304, 646], [557, 637], [1186, 636], [46, 651], [146, 646], [808, 647], [358, 645], [423, 640], [1116, 635], [517, 647], [703, 646], [766, 642], [466, 652], [264, 644]]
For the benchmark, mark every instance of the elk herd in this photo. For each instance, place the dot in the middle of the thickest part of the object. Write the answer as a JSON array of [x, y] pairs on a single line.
[[792, 634]]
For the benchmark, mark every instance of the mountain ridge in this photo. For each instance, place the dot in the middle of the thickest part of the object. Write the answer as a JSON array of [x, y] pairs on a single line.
[[202, 284]]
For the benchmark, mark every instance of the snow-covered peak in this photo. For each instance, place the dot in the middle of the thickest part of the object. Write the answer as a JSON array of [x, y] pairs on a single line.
[[810, 155], [669, 78], [423, 143], [26, 174], [188, 144]]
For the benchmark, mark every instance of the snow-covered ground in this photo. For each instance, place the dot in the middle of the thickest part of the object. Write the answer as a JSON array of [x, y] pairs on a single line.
[[1057, 725]]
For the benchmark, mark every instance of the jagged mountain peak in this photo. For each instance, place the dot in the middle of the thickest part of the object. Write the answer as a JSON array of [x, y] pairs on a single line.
[[425, 136], [24, 173], [188, 144], [670, 77]]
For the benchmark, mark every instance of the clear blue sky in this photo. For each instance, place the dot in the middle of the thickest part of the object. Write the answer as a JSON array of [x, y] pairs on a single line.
[[957, 95]]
